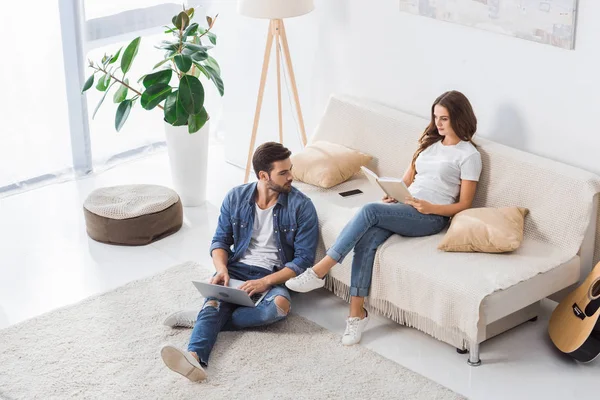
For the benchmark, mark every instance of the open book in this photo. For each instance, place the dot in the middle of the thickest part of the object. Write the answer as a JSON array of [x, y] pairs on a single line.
[[393, 187]]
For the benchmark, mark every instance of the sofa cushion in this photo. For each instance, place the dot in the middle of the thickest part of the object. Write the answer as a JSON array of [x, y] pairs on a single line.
[[486, 230], [326, 164]]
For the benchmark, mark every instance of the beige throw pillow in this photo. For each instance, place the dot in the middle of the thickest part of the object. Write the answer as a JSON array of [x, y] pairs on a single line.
[[326, 164], [486, 230]]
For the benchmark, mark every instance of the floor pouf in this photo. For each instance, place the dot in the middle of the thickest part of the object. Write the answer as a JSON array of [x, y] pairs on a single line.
[[132, 215]]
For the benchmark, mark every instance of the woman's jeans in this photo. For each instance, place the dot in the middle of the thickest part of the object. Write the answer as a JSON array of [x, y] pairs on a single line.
[[373, 225], [231, 317]]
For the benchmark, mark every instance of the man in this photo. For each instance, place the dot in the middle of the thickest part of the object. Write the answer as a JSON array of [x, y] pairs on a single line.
[[273, 229]]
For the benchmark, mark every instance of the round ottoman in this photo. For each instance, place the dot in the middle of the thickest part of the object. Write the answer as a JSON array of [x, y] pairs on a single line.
[[132, 215]]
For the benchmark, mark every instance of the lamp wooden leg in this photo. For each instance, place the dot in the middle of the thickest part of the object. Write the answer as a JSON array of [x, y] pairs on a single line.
[[277, 36], [288, 59], [261, 89]]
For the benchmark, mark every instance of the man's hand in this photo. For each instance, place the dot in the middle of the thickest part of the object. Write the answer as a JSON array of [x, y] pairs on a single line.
[[221, 278], [255, 286], [422, 206], [388, 199]]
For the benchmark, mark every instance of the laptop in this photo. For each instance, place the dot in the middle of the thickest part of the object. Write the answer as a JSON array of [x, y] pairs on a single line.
[[230, 294]]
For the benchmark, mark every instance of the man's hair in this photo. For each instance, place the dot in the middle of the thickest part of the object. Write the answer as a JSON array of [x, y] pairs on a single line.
[[266, 154]]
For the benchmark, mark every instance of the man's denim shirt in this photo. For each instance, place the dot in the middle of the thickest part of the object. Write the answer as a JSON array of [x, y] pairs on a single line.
[[295, 225]]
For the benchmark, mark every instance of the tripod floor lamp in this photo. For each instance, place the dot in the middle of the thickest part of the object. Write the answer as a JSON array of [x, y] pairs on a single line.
[[275, 11]]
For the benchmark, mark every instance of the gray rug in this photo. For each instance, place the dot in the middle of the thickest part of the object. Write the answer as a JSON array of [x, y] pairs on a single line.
[[106, 347]]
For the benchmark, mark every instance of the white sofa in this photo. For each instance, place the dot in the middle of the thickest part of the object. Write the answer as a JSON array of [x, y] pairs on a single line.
[[461, 298]]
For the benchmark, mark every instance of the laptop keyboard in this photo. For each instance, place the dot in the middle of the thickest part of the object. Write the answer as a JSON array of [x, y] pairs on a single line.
[[255, 297]]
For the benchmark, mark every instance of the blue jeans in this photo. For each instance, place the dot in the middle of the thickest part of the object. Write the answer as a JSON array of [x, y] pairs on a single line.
[[232, 317], [373, 225]]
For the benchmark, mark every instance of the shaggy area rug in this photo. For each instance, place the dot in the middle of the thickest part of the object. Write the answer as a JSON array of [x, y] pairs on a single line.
[[107, 347]]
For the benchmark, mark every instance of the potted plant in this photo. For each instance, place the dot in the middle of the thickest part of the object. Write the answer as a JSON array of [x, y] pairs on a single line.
[[174, 87]]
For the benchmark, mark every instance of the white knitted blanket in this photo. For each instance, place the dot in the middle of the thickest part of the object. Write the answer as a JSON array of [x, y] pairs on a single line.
[[439, 292]]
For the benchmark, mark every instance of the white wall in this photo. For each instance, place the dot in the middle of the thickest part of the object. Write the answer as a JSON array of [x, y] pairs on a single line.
[[531, 96]]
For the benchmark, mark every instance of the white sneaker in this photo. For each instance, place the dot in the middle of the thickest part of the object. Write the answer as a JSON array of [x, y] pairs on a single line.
[[183, 363], [354, 329], [182, 318], [305, 282]]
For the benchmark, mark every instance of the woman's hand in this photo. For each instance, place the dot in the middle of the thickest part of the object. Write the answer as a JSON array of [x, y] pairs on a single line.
[[387, 199], [422, 206]]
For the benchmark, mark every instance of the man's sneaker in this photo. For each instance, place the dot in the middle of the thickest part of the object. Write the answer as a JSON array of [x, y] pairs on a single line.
[[305, 282], [183, 363], [182, 319], [354, 329]]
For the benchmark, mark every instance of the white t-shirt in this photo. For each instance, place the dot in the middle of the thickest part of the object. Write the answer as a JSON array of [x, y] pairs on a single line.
[[262, 250], [440, 170]]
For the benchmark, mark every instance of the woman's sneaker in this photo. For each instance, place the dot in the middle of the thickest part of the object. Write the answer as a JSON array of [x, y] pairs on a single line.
[[305, 282], [354, 329]]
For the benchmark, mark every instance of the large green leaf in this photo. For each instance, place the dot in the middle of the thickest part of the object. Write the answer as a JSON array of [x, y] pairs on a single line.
[[170, 110], [103, 83], [201, 68], [197, 55], [170, 46], [200, 56], [191, 94], [197, 121], [216, 78], [129, 54], [154, 95], [115, 57], [121, 93], [88, 83], [162, 62], [212, 37], [162, 76], [190, 31], [196, 47], [183, 62], [101, 101], [182, 20], [182, 115], [122, 114], [211, 62], [174, 114]]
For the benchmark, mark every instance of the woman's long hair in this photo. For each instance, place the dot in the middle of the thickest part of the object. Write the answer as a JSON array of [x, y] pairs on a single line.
[[462, 121]]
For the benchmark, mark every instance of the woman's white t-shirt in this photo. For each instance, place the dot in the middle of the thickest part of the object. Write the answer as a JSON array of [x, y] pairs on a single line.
[[440, 170]]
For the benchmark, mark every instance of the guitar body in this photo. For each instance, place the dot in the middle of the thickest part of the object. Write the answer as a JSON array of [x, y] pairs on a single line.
[[574, 327]]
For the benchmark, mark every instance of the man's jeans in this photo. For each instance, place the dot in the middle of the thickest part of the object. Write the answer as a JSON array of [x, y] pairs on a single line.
[[232, 317], [372, 226]]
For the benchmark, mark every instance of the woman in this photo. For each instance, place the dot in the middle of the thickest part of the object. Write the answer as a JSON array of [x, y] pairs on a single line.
[[441, 178]]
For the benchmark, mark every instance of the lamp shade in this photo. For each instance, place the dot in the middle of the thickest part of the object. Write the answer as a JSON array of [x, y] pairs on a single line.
[[275, 9]]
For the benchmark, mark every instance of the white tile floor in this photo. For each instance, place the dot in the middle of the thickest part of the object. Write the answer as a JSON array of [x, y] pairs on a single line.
[[47, 261]]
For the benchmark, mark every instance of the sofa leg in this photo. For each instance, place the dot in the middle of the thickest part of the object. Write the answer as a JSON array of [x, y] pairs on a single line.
[[474, 360], [461, 351], [533, 319]]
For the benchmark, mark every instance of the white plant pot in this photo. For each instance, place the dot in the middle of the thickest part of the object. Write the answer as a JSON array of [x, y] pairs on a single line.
[[188, 154]]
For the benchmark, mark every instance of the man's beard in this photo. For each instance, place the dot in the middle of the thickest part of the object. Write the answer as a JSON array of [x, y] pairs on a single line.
[[279, 188]]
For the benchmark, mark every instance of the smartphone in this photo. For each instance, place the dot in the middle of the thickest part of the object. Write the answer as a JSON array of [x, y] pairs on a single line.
[[350, 193]]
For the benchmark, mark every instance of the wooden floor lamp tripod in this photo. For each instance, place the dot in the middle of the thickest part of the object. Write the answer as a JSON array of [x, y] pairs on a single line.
[[275, 11]]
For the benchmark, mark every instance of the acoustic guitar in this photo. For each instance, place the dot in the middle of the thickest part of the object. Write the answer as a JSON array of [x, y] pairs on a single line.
[[573, 326]]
